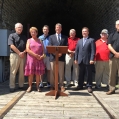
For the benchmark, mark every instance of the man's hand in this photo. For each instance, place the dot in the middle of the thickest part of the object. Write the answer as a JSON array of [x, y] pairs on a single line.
[[71, 54], [116, 55], [91, 62], [21, 54], [60, 54], [75, 61]]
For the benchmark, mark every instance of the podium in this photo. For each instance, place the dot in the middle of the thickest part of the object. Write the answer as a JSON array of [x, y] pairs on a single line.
[[56, 50]]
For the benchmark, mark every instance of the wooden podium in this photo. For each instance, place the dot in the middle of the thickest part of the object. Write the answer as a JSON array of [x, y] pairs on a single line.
[[56, 50]]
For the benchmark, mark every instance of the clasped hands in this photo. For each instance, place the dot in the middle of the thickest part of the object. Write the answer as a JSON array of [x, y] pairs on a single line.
[[21, 54], [39, 57]]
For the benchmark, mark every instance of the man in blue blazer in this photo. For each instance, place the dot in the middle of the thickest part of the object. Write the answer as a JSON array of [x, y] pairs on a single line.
[[84, 56], [57, 40]]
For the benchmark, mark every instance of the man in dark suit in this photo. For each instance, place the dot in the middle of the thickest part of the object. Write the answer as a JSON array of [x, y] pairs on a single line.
[[57, 40], [84, 56]]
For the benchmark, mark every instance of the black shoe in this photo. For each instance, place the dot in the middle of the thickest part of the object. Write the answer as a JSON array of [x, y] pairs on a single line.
[[12, 90], [78, 88], [97, 86], [21, 88], [90, 90], [107, 87], [48, 84]]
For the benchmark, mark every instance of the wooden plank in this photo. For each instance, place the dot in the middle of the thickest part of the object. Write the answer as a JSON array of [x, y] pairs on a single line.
[[105, 106], [9, 105]]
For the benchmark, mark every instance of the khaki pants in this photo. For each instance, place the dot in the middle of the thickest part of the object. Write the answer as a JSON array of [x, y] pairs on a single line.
[[16, 63], [60, 72], [114, 66], [69, 62], [102, 72]]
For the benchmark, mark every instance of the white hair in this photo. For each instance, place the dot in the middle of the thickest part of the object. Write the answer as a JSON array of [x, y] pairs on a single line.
[[72, 30], [117, 22], [18, 24]]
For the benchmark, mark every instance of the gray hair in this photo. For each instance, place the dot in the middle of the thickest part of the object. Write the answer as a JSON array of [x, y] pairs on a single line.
[[58, 24], [72, 30], [117, 22], [17, 24]]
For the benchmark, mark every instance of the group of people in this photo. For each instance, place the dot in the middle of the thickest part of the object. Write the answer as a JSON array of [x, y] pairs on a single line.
[[32, 58]]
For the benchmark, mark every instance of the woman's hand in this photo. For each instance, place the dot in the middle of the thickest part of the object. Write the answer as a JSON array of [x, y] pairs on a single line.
[[42, 57], [37, 56]]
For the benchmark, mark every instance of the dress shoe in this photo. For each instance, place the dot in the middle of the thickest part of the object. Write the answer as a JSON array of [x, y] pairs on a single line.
[[41, 85], [107, 87], [90, 90], [110, 92], [12, 90], [21, 88], [75, 83], [78, 88], [68, 84], [48, 84], [98, 86], [62, 89]]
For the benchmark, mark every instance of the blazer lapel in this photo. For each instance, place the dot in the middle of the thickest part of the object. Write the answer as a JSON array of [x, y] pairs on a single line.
[[82, 42]]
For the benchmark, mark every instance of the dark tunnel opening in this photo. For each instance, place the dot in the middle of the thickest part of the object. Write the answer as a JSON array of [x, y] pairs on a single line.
[[75, 14], [57, 14]]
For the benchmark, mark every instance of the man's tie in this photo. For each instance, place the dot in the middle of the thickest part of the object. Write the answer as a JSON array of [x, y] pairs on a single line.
[[58, 38], [84, 40]]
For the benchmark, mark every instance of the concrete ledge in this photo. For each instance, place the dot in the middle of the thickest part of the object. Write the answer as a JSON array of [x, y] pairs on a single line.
[[10, 104], [106, 107]]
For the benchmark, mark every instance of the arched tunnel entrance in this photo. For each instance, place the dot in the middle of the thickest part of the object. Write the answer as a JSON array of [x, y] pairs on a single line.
[[95, 14]]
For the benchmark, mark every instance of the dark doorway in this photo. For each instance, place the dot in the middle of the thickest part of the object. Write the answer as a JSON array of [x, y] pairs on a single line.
[[94, 14]]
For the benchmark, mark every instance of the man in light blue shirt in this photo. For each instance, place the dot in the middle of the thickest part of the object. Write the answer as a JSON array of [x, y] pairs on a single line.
[[45, 40]]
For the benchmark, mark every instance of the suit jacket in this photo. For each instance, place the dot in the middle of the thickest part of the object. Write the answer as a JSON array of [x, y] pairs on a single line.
[[85, 53], [54, 42]]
